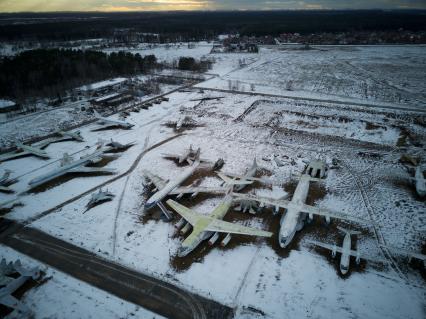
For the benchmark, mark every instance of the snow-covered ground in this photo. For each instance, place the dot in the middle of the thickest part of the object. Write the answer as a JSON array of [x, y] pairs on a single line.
[[62, 296], [253, 275]]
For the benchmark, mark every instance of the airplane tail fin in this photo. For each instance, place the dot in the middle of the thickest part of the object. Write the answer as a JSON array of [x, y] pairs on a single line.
[[348, 231], [255, 163], [96, 114], [197, 155]]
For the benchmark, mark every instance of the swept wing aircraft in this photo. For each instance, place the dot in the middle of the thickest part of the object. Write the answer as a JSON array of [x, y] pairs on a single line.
[[188, 155], [6, 181], [204, 227], [345, 250], [71, 166], [105, 123]]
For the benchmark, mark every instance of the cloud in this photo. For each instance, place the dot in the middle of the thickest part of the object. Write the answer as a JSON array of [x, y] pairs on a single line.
[[144, 5]]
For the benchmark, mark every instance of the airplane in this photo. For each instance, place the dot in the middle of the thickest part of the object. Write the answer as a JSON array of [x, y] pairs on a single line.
[[182, 121], [345, 250], [5, 182], [419, 181], [210, 226], [105, 122], [37, 148], [99, 198], [188, 155], [409, 254], [117, 146], [70, 166], [6, 297], [246, 178], [164, 188], [297, 211]]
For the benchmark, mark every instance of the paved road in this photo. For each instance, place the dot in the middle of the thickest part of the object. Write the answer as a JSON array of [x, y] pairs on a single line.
[[151, 293]]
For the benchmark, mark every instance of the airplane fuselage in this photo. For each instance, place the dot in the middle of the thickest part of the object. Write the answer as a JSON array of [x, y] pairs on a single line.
[[198, 233], [171, 185], [250, 173], [293, 220], [345, 256]]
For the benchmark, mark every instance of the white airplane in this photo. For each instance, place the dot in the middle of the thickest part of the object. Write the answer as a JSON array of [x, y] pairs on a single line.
[[182, 121], [6, 181], [345, 250], [105, 122], [408, 253], [297, 211], [419, 181], [6, 297], [70, 166], [37, 149], [188, 155], [245, 179], [204, 227]]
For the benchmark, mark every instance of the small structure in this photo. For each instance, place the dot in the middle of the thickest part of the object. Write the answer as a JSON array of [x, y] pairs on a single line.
[[7, 106], [103, 86]]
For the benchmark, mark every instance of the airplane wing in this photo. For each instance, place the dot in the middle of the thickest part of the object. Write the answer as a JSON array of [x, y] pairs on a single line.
[[350, 252], [86, 170], [9, 156], [198, 189], [327, 213], [156, 180], [406, 252], [9, 301], [168, 155], [189, 215], [262, 200], [231, 181], [248, 178], [221, 226]]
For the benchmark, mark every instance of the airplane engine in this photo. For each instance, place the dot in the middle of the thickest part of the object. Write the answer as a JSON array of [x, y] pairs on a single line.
[[334, 251], [179, 196], [180, 223], [185, 229], [194, 194], [327, 219], [276, 210], [311, 217], [226, 240], [213, 239], [358, 258]]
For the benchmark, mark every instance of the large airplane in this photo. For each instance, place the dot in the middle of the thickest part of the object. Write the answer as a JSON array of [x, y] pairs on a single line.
[[345, 251], [105, 122], [6, 181], [204, 227], [38, 148], [70, 166], [297, 211], [12, 284]]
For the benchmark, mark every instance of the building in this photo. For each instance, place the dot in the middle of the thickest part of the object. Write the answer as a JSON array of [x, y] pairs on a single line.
[[103, 87], [111, 100], [7, 106]]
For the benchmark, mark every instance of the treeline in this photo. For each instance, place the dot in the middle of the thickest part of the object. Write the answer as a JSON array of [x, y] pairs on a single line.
[[187, 26], [50, 72], [190, 64]]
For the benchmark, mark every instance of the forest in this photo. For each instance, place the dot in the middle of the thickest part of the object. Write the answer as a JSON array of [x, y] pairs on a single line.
[[50, 72]]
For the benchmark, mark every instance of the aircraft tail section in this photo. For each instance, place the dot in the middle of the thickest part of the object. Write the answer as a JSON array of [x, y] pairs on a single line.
[[348, 231], [230, 181]]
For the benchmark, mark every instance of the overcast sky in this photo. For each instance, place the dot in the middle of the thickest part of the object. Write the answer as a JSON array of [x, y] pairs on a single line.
[[140, 5]]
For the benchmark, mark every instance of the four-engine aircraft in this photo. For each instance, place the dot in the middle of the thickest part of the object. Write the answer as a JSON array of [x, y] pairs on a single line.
[[205, 227]]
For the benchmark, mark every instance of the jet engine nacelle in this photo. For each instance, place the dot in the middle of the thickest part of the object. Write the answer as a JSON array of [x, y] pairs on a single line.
[[226, 240], [276, 210], [194, 194], [213, 239], [179, 196], [334, 251], [311, 217], [180, 223], [327, 219], [358, 258], [185, 229]]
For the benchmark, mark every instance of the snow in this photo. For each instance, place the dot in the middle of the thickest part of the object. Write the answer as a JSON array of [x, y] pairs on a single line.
[[63, 296], [6, 103], [103, 84], [254, 276]]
